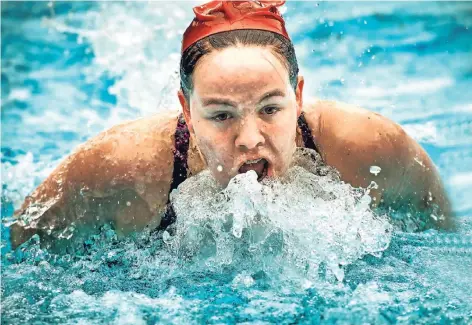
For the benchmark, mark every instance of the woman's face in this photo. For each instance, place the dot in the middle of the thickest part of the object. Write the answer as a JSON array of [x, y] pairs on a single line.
[[243, 112]]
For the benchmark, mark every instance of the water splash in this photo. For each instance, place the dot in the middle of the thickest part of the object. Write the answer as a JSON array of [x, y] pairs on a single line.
[[299, 222], [76, 78]]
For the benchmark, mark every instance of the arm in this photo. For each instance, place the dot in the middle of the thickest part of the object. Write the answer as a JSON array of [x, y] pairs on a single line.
[[122, 176], [421, 188]]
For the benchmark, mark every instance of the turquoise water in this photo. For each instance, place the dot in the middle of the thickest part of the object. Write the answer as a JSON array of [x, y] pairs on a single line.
[[71, 70]]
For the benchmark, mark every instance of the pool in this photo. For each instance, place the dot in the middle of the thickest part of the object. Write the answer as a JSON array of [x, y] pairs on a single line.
[[71, 70]]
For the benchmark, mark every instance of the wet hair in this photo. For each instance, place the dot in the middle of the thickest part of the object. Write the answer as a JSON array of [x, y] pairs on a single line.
[[281, 47]]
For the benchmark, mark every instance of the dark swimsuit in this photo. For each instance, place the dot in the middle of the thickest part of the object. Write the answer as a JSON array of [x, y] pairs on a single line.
[[182, 139]]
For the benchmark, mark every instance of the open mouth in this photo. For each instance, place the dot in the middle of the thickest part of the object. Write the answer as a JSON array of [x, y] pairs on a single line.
[[260, 166]]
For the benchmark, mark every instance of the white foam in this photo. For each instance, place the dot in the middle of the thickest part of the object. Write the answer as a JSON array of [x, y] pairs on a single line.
[[128, 46], [300, 222]]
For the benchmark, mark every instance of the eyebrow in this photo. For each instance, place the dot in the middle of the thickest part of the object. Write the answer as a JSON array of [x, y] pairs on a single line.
[[228, 102], [218, 101], [272, 93]]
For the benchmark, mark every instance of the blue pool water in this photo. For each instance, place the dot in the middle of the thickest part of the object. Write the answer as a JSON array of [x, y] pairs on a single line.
[[71, 70]]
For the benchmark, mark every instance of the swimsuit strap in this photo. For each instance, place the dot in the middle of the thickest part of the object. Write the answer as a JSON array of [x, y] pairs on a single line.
[[308, 139], [179, 175], [182, 139]]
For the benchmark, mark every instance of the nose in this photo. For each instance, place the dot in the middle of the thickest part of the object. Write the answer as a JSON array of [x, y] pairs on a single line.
[[249, 136]]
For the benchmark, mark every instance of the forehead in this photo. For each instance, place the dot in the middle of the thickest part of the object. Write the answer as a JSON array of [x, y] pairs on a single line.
[[239, 72]]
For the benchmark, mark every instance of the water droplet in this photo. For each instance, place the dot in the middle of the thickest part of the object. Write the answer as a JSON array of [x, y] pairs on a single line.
[[375, 170], [237, 232], [166, 236], [373, 185], [419, 162]]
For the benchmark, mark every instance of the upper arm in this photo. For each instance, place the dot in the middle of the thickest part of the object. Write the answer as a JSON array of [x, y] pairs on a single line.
[[421, 186], [412, 184], [354, 140], [123, 175]]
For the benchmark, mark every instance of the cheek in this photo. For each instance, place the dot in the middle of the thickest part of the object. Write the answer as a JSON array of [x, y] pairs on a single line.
[[218, 156], [285, 147], [214, 145], [284, 133], [283, 137]]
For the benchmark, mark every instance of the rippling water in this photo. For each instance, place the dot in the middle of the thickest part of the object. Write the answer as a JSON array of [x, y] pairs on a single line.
[[70, 70]]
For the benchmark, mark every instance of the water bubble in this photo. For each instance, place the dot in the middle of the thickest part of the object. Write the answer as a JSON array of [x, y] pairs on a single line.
[[243, 280]]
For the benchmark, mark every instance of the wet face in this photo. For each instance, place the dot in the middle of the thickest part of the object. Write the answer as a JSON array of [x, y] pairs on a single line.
[[243, 112]]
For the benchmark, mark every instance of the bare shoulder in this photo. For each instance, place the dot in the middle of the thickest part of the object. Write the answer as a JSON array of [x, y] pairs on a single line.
[[350, 123], [121, 175], [133, 156], [136, 154], [133, 140], [353, 139], [352, 128]]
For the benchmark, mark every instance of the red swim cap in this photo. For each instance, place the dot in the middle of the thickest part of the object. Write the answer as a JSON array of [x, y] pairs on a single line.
[[222, 16]]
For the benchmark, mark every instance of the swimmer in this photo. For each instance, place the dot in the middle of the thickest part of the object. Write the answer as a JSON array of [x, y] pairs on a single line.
[[242, 109]]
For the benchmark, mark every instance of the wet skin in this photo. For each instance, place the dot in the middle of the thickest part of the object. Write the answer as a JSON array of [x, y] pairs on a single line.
[[239, 110]]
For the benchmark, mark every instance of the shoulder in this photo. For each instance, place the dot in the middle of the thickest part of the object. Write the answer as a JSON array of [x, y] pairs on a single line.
[[136, 154], [352, 124], [352, 127], [353, 139], [135, 139], [131, 162]]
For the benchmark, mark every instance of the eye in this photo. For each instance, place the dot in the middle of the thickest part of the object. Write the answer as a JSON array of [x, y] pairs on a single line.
[[270, 110], [221, 117]]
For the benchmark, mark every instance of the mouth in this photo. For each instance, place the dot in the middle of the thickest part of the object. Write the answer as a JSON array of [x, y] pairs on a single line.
[[260, 166]]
